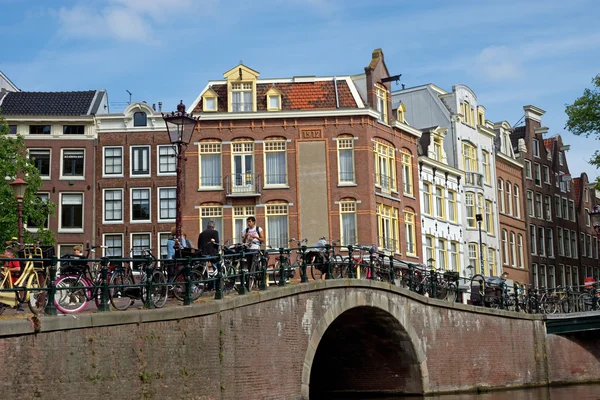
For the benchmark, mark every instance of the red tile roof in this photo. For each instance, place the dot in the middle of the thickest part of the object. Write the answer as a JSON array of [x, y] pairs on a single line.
[[295, 96]]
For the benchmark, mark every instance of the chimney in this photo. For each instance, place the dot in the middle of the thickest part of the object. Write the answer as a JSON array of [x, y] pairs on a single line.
[[154, 106], [534, 113], [403, 86], [160, 106]]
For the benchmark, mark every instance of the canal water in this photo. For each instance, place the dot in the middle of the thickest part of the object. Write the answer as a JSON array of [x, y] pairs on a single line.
[[579, 392]]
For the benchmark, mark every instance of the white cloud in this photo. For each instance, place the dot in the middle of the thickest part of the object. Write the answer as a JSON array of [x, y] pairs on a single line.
[[498, 63]]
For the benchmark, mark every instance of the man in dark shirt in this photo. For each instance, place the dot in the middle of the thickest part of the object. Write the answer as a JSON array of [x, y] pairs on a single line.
[[208, 240]]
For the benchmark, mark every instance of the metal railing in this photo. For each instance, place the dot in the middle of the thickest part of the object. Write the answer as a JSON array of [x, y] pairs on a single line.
[[473, 179], [246, 184]]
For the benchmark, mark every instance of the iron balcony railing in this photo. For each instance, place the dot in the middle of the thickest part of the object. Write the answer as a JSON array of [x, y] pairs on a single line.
[[388, 244], [276, 179], [474, 179], [386, 183], [247, 184], [241, 107]]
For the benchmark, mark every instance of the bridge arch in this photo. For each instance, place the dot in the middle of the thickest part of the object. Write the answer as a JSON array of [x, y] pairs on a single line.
[[364, 345]]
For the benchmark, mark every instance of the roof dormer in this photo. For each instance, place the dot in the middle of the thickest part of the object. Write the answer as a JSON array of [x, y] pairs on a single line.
[[241, 89], [273, 99], [210, 100]]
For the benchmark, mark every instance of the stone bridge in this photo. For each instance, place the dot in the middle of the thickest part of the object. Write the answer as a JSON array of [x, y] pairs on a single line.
[[296, 342]]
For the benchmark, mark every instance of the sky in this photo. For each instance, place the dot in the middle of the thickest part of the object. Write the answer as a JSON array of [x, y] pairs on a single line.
[[510, 52]]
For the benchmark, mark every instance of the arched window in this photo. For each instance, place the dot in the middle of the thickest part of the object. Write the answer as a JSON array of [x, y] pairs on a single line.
[[513, 250], [509, 198], [517, 201], [501, 195], [409, 228], [505, 259], [140, 118]]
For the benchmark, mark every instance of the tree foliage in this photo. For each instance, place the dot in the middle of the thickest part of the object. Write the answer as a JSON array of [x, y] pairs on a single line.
[[14, 162], [584, 116]]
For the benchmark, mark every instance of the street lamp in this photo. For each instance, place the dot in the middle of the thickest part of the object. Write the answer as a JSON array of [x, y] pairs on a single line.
[[595, 217], [180, 126], [18, 187], [479, 219]]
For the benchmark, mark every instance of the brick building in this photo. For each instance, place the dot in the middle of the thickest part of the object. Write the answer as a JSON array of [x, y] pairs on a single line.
[[513, 229], [550, 203], [59, 133], [585, 201], [308, 157]]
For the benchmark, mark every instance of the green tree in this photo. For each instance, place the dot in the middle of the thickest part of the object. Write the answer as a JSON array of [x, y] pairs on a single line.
[[13, 162], [584, 117]]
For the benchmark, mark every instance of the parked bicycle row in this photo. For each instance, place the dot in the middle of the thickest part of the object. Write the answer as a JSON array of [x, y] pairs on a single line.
[[68, 284]]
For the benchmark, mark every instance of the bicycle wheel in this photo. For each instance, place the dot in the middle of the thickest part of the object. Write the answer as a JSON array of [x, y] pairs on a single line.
[[478, 290], [119, 296], [441, 291], [37, 298], [159, 289], [451, 292], [276, 271], [584, 302], [316, 270], [337, 263], [228, 278], [197, 288], [67, 300]]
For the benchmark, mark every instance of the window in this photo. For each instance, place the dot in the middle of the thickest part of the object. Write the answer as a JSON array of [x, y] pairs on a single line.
[[491, 260], [12, 129], [582, 244], [556, 180], [34, 225], [209, 164], [241, 97], [407, 177], [513, 249], [427, 200], [470, 204], [509, 198], [590, 246], [348, 222], [530, 209], [140, 118], [537, 174], [454, 257], [409, 231], [533, 239], [517, 201], [429, 249], [550, 239], [275, 162], [274, 102], [140, 205], [505, 259], [567, 236], [385, 167], [452, 214], [586, 195], [167, 160], [139, 243], [557, 207], [560, 158], [542, 278], [277, 225], [73, 130], [565, 208], [114, 245], [563, 183], [562, 276], [485, 159], [587, 217], [113, 161], [559, 239], [242, 155], [473, 256], [574, 244], [548, 208], [442, 260], [437, 149], [140, 160], [501, 195], [71, 211], [381, 93], [214, 213], [439, 202], [113, 205], [596, 248], [572, 210], [72, 163], [535, 148], [387, 227], [521, 255], [480, 207], [345, 148], [41, 159], [541, 242], [546, 175], [39, 129], [167, 203], [162, 242], [209, 103], [534, 272], [538, 205], [528, 174], [240, 214], [469, 157], [489, 217]]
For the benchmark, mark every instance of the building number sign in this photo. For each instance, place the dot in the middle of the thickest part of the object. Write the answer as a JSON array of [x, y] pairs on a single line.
[[311, 134]]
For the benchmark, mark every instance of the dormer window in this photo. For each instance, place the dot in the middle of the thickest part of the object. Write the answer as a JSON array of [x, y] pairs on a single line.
[[401, 112], [140, 119], [381, 102], [273, 99], [209, 101], [241, 97], [480, 115]]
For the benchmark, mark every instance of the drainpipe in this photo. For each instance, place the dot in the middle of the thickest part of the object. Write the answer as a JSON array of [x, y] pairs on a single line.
[[95, 145], [337, 99]]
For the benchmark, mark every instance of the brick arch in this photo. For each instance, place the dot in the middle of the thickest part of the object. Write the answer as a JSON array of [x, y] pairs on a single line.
[[377, 304]]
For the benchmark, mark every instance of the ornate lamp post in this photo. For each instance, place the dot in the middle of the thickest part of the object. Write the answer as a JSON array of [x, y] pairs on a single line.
[[479, 219], [180, 126], [595, 217], [18, 187]]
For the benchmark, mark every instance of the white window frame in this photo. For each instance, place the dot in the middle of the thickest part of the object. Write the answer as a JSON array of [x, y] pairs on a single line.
[[131, 242], [158, 202], [241, 212], [69, 230], [144, 221], [62, 165], [49, 176], [106, 174], [535, 148], [104, 249], [203, 148], [275, 145], [274, 210], [346, 207], [131, 161], [158, 157], [110, 222], [345, 143], [528, 170]]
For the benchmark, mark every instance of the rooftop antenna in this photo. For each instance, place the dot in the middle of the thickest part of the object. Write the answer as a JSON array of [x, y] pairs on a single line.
[[129, 95]]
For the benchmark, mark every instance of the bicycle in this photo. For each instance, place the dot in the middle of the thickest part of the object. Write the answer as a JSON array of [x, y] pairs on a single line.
[[29, 280], [319, 258], [124, 291], [289, 266], [478, 290]]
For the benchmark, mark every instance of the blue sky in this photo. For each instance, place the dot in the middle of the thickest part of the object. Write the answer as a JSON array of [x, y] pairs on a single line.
[[510, 52]]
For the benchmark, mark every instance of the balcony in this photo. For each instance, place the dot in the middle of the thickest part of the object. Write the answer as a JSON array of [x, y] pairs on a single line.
[[241, 107], [386, 183], [240, 185], [474, 179], [388, 244]]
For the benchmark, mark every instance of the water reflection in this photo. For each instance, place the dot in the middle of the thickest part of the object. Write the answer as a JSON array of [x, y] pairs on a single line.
[[579, 392]]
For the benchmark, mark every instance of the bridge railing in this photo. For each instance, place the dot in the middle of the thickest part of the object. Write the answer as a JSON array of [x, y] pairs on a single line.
[[66, 285]]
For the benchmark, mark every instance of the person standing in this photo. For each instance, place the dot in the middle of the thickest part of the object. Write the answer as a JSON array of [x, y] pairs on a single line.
[[253, 237], [208, 240], [171, 244], [185, 242]]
